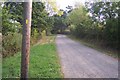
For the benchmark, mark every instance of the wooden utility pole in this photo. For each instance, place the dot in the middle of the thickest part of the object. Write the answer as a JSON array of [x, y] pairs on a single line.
[[26, 39]]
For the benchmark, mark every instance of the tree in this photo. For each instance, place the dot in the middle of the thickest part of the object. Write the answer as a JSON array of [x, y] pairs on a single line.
[[106, 14], [79, 21], [26, 39], [96, 20], [59, 25], [38, 15], [8, 24]]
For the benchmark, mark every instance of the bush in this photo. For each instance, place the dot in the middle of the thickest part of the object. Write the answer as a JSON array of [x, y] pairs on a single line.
[[34, 37], [11, 44]]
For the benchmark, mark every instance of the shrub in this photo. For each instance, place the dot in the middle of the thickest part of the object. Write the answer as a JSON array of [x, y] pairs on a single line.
[[35, 36], [11, 44]]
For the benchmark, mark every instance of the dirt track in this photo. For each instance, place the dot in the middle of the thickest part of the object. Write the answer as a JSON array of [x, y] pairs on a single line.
[[79, 61]]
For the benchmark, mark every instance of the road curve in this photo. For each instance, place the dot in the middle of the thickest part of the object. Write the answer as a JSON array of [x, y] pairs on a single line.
[[80, 61]]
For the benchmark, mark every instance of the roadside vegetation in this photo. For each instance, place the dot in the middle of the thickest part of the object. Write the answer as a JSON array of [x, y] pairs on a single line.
[[97, 46], [96, 23], [43, 24], [44, 62]]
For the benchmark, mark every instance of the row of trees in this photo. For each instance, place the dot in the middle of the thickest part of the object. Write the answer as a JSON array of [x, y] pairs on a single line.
[[96, 22], [14, 13], [12, 19]]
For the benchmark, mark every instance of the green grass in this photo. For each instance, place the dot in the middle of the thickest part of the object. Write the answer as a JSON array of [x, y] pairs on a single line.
[[96, 46], [44, 62]]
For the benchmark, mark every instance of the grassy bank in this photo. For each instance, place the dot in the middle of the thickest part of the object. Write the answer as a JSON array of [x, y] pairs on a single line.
[[44, 62], [96, 45]]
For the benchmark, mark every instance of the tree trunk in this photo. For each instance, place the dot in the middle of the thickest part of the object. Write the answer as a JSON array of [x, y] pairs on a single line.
[[26, 39]]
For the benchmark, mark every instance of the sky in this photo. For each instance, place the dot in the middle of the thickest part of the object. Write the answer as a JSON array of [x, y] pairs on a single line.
[[62, 4]]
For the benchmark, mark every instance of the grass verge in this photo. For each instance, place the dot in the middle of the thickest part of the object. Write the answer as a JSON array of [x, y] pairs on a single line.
[[95, 46], [44, 62]]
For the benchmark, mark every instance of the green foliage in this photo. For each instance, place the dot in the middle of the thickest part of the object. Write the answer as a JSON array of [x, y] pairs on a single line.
[[111, 32], [39, 15], [106, 13], [9, 25], [59, 24], [44, 63], [35, 37], [12, 17], [11, 44], [11, 32], [79, 21], [96, 21], [15, 9]]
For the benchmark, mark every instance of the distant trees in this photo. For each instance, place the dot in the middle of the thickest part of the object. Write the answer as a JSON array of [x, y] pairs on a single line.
[[59, 23], [79, 21], [98, 21]]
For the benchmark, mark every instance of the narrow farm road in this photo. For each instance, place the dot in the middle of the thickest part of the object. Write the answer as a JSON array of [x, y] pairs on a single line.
[[79, 61]]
